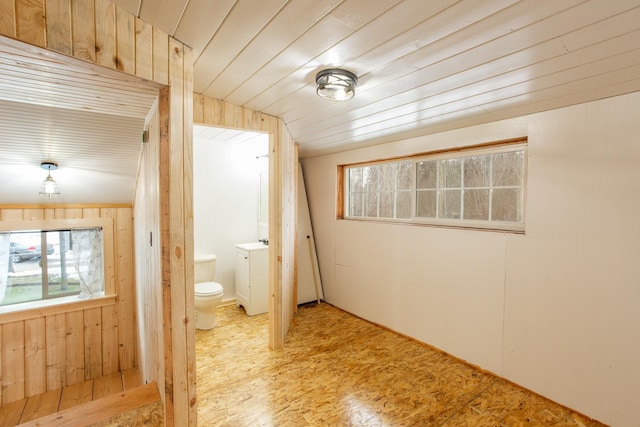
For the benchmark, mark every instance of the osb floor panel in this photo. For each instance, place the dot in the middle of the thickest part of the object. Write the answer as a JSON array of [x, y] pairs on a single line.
[[339, 370]]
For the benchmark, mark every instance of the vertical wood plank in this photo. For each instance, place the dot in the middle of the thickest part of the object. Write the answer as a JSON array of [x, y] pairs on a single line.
[[8, 18], [12, 214], [56, 351], [90, 212], [109, 340], [59, 26], [177, 234], [84, 29], [74, 347], [49, 213], [35, 356], [165, 230], [92, 343], [13, 361], [188, 233], [105, 33], [125, 42], [198, 108], [126, 288], [72, 213], [144, 50], [33, 214], [111, 269], [160, 57], [30, 22]]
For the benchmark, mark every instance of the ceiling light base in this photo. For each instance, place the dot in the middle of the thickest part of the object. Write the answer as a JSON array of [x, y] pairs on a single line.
[[336, 85]]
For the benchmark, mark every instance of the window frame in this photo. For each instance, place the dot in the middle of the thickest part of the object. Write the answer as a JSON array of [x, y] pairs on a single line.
[[68, 224], [514, 145]]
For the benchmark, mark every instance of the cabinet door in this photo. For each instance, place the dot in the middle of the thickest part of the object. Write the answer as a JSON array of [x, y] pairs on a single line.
[[242, 279]]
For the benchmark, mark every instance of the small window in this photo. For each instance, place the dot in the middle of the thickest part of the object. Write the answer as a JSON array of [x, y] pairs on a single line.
[[478, 188], [41, 265]]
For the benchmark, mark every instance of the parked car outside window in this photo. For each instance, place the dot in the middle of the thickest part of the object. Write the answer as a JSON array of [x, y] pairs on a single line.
[[21, 252]]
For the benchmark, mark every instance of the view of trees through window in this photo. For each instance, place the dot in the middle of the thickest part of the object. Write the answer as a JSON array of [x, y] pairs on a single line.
[[480, 186], [49, 264]]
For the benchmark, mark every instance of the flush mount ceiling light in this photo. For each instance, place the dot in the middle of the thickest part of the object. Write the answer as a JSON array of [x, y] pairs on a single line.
[[49, 188], [336, 85]]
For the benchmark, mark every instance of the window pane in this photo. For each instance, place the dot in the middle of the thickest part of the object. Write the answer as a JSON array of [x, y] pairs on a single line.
[[508, 168], [371, 205], [405, 176], [403, 204], [426, 204], [355, 179], [506, 204], [450, 176], [427, 174], [449, 204], [476, 171], [386, 204], [370, 178], [62, 276], [387, 176], [476, 204], [356, 204], [24, 281]]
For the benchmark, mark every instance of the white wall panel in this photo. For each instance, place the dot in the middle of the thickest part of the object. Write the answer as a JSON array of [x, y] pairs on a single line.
[[556, 310]]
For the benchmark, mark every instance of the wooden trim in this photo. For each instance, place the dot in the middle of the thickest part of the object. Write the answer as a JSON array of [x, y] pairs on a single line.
[[95, 411], [61, 308], [68, 206], [491, 144], [340, 193]]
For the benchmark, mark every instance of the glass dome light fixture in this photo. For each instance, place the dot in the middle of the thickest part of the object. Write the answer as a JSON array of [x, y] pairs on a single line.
[[336, 85], [49, 188]]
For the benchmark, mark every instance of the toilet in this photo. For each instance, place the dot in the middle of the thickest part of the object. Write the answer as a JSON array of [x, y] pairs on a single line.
[[208, 294]]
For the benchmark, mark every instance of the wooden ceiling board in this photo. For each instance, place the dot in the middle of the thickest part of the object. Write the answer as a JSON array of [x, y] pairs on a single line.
[[244, 22], [296, 67], [451, 115], [440, 55], [551, 55], [200, 21], [297, 17], [533, 34], [164, 14]]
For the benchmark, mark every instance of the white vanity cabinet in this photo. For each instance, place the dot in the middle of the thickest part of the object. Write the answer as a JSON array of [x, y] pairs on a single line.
[[252, 277]]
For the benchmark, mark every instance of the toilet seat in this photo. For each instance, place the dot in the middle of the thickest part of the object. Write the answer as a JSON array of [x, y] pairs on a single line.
[[208, 289]]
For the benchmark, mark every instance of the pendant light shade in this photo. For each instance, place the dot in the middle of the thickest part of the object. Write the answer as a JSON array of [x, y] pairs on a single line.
[[336, 85], [49, 188]]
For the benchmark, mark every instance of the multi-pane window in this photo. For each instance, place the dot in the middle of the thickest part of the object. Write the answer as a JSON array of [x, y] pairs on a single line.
[[480, 188], [38, 265]]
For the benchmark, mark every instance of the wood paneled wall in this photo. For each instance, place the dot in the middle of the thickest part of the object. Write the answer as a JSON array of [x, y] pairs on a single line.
[[283, 160], [45, 349], [100, 33]]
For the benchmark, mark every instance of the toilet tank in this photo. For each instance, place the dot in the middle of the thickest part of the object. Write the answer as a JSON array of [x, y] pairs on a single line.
[[204, 268]]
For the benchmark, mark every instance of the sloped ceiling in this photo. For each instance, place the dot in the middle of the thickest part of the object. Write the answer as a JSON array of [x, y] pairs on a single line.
[[87, 120]]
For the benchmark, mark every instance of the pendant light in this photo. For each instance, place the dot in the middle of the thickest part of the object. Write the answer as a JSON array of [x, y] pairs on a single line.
[[336, 85], [49, 188]]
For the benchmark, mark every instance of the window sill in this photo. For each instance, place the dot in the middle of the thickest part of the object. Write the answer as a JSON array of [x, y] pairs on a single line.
[[35, 309]]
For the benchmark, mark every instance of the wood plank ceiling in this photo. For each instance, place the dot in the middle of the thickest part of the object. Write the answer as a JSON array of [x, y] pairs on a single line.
[[423, 67]]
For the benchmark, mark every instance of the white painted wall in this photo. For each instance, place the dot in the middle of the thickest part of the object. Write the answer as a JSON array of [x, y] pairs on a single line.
[[225, 206], [556, 310]]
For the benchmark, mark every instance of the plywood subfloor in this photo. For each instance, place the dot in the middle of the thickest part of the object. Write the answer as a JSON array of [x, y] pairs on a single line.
[[338, 370]]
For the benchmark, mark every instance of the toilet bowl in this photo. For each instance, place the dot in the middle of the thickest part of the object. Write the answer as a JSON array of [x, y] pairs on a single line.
[[208, 294]]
